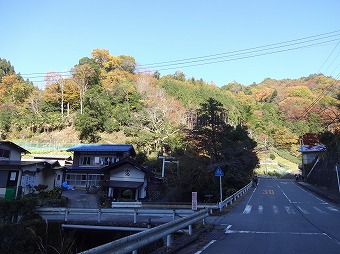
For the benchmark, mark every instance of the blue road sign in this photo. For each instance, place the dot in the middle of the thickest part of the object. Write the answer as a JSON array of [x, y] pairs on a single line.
[[219, 172]]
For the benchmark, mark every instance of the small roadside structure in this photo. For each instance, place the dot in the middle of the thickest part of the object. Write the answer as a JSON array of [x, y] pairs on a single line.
[[126, 179]]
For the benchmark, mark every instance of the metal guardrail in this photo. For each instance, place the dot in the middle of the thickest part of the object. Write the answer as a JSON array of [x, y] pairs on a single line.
[[229, 200], [138, 208], [65, 213], [133, 242]]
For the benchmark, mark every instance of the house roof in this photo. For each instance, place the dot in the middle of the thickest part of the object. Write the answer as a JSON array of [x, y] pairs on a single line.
[[52, 156], [82, 168], [25, 163], [52, 163], [312, 148], [127, 161], [14, 146], [122, 148]]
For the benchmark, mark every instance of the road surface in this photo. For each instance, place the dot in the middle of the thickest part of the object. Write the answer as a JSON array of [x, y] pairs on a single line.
[[278, 216]]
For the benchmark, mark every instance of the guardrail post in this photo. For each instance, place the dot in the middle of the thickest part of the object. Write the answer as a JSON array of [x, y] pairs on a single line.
[[99, 214], [190, 229], [66, 214], [149, 222], [168, 240], [135, 216], [173, 214]]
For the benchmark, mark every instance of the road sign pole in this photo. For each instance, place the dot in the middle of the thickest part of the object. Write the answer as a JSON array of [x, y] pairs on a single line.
[[221, 189]]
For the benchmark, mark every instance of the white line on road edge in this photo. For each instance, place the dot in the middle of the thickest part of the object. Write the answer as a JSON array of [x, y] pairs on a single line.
[[324, 202], [205, 247], [270, 233]]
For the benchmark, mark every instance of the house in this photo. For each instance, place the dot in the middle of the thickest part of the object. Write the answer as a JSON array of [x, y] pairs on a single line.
[[127, 174], [310, 147], [58, 161], [110, 166], [89, 159], [311, 152], [19, 176]]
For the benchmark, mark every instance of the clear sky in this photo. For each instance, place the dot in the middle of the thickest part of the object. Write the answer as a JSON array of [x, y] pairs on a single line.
[[41, 36]]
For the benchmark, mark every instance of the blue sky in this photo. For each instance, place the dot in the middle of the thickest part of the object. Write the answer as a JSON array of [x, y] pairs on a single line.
[[41, 36]]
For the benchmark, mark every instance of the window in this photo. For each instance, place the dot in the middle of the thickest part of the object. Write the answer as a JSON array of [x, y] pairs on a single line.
[[4, 153], [94, 179], [86, 161], [81, 180], [108, 160]]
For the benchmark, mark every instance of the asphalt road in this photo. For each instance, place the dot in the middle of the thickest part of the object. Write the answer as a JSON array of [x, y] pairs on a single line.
[[278, 216]]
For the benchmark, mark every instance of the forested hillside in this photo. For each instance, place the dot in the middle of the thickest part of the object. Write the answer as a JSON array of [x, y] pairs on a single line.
[[106, 94], [107, 99]]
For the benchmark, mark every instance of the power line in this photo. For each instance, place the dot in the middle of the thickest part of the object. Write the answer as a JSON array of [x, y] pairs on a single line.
[[309, 108], [207, 57], [279, 47], [329, 56], [245, 57]]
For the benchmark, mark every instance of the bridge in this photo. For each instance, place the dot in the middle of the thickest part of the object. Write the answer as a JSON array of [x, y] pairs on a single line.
[[169, 219]]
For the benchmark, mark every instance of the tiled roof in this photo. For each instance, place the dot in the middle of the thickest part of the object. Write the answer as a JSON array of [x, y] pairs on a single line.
[[102, 148]]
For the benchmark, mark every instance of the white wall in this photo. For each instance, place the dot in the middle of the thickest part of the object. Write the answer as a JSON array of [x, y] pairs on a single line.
[[127, 173]]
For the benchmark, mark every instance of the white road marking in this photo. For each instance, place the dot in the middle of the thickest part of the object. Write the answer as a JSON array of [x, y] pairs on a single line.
[[247, 209], [289, 210], [260, 209], [271, 233], [227, 229], [332, 209], [275, 209], [205, 247], [319, 210], [324, 202], [284, 194], [302, 210]]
